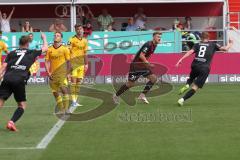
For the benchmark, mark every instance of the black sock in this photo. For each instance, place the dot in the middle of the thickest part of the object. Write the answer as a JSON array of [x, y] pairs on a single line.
[[148, 87], [122, 90], [17, 114], [189, 94]]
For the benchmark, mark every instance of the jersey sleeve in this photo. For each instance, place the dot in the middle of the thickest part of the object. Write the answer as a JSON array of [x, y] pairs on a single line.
[[36, 53], [7, 58], [195, 47], [217, 47], [67, 54], [145, 48]]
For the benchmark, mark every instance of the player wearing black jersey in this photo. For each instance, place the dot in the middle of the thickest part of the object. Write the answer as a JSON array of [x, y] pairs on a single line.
[[15, 72], [140, 66], [200, 67]]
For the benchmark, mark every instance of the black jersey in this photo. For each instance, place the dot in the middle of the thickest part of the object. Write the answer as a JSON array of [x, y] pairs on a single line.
[[18, 63], [148, 49], [204, 52]]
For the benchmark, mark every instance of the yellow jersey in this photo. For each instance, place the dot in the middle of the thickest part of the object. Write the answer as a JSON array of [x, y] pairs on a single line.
[[78, 49], [57, 58], [3, 47]]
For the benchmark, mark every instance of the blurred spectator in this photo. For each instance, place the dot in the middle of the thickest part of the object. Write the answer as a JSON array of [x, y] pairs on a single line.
[[58, 26], [124, 26], [87, 29], [109, 28], [180, 27], [5, 21], [188, 24], [140, 19], [33, 43], [27, 27], [104, 20], [86, 16], [131, 26], [175, 23]]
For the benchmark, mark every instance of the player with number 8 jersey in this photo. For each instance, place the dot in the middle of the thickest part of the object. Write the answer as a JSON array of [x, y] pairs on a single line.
[[15, 72], [200, 68]]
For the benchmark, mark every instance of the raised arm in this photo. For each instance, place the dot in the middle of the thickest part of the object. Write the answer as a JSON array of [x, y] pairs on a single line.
[[10, 15], [185, 56], [45, 45]]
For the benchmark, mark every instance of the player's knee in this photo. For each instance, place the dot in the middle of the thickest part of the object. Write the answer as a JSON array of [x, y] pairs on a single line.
[[153, 79], [55, 94], [22, 105], [195, 87], [130, 84]]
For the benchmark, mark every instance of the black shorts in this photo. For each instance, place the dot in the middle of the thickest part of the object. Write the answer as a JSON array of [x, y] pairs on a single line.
[[199, 74], [136, 72], [17, 88]]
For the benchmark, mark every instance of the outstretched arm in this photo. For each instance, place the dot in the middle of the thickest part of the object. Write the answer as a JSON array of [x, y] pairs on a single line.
[[185, 56], [10, 15], [228, 46]]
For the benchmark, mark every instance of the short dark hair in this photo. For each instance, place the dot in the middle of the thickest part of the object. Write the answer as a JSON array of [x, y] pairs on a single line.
[[30, 34], [59, 33], [204, 35], [24, 40], [78, 25], [157, 33]]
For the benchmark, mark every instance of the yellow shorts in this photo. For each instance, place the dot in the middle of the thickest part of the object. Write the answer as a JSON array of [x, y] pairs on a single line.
[[56, 84], [78, 72]]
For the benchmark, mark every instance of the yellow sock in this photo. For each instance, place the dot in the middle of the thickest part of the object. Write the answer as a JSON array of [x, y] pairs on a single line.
[[77, 89], [59, 101], [65, 101], [73, 91]]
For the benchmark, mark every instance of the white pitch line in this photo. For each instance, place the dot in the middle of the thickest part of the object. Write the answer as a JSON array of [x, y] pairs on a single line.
[[18, 148], [52, 133]]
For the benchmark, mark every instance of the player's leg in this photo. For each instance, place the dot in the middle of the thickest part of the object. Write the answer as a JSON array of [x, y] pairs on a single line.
[[2, 101], [54, 85], [20, 97], [152, 80], [193, 74], [80, 76], [198, 83], [77, 76], [65, 95], [5, 93], [121, 90]]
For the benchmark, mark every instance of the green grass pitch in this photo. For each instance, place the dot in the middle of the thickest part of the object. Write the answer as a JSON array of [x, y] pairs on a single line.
[[206, 127]]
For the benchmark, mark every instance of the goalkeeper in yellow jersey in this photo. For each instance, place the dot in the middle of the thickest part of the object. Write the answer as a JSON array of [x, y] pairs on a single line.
[[78, 52], [57, 63]]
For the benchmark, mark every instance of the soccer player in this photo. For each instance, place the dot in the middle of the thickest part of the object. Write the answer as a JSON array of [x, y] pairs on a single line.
[[140, 66], [200, 67], [3, 47], [78, 51], [15, 72], [57, 63]]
